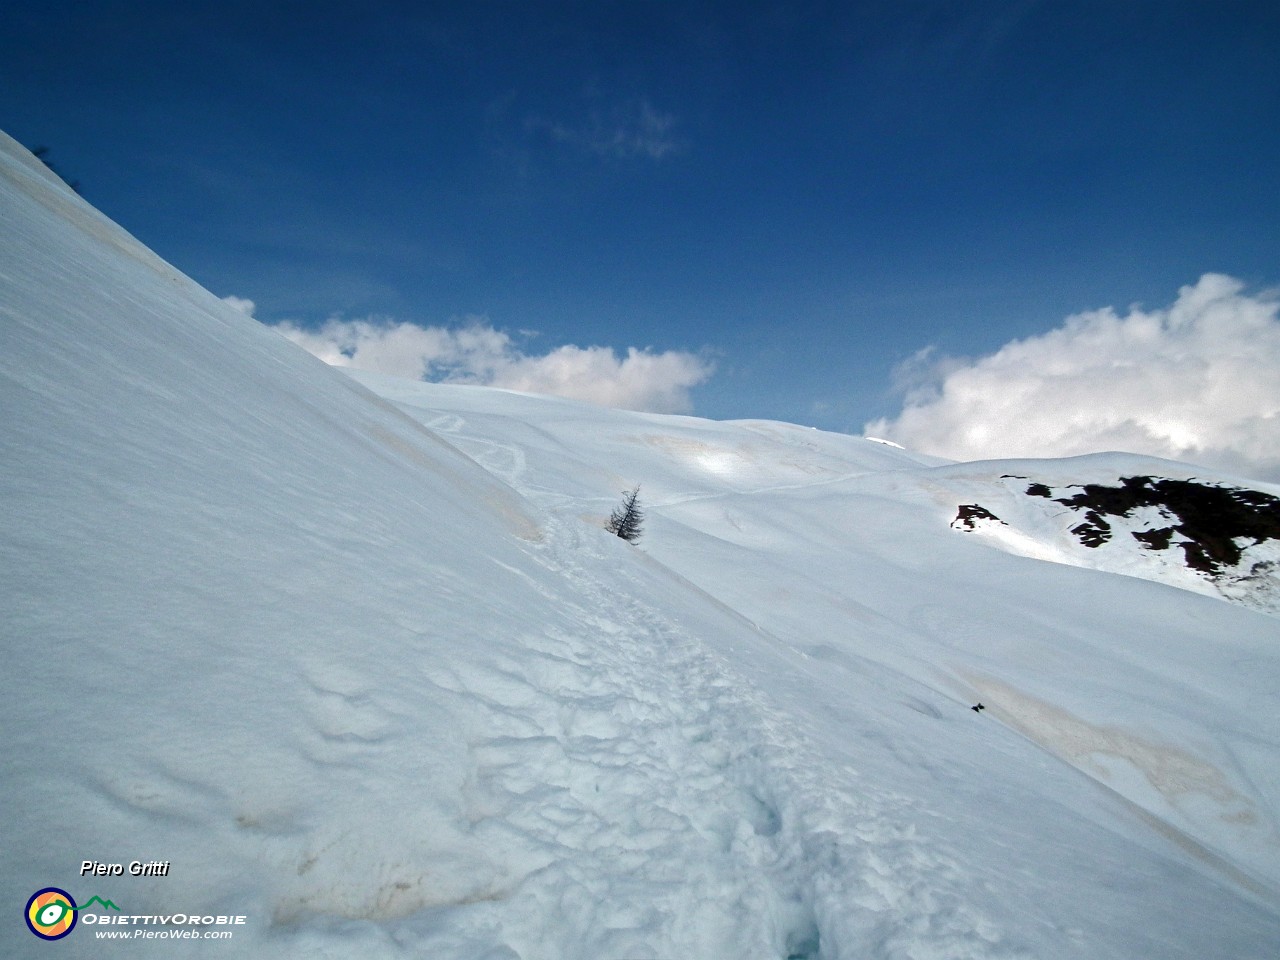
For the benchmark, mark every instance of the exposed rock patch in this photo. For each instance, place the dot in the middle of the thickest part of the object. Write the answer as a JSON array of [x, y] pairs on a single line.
[[969, 514], [1095, 531], [1226, 537], [1209, 519]]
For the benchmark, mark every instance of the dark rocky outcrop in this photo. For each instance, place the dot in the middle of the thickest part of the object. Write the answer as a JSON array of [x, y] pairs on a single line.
[[1208, 519], [970, 513]]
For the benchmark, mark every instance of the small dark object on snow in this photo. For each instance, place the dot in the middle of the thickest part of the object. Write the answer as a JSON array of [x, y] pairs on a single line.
[[977, 707], [626, 520]]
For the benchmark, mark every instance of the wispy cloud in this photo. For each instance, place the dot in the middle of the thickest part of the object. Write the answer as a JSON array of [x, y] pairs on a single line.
[[633, 129], [476, 353], [240, 303], [1198, 381]]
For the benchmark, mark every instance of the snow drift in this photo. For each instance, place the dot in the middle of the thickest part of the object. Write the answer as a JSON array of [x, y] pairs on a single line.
[[356, 658]]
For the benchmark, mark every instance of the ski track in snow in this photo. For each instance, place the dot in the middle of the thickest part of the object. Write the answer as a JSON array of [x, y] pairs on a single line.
[[503, 460]]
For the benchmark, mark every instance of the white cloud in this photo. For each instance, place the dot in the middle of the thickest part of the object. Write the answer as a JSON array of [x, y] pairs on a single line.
[[635, 129], [1199, 381], [240, 303], [478, 354]]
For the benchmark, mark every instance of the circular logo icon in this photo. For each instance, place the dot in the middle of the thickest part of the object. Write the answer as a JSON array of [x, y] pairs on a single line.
[[51, 913]]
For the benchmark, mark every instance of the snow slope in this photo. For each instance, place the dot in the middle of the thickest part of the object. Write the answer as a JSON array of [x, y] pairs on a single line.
[[365, 670], [843, 551]]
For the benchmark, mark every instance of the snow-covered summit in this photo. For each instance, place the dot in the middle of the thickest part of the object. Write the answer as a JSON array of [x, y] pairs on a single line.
[[356, 657]]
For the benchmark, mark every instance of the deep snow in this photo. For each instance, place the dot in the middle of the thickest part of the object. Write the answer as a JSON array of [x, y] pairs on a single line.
[[356, 656]]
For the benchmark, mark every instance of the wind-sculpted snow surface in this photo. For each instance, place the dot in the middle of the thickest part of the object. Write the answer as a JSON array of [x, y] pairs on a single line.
[[370, 673]]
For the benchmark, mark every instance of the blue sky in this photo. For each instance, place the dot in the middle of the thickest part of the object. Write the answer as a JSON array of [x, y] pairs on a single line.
[[804, 194]]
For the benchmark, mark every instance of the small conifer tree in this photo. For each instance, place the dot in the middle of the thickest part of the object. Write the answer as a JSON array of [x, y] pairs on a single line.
[[42, 154], [627, 517]]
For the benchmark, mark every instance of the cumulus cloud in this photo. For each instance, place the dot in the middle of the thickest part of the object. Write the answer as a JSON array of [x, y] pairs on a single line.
[[240, 303], [1199, 381], [476, 353]]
